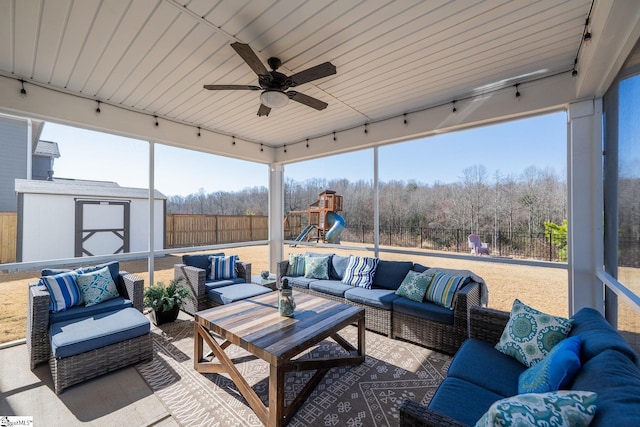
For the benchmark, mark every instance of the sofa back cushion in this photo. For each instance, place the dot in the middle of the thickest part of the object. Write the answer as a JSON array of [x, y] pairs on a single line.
[[616, 380], [338, 266], [200, 261], [390, 274], [598, 335], [114, 270]]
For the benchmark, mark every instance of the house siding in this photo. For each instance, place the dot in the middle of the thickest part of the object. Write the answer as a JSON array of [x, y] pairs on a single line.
[[13, 163]]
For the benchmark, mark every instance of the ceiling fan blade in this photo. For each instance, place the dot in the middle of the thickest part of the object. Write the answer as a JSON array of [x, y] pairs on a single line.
[[263, 110], [231, 87], [250, 58], [307, 100], [313, 73]]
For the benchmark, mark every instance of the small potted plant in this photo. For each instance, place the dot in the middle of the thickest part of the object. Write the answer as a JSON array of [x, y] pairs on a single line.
[[165, 301]]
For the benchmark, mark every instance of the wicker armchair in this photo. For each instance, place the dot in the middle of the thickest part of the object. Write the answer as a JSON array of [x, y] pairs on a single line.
[[485, 324], [71, 370], [196, 278]]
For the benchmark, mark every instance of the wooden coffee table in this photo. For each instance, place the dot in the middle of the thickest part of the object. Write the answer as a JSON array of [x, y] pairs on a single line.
[[255, 325]]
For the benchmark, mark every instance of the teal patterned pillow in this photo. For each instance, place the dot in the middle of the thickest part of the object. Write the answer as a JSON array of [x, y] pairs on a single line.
[[316, 267], [530, 334], [296, 265], [555, 409], [97, 286], [555, 371], [414, 285]]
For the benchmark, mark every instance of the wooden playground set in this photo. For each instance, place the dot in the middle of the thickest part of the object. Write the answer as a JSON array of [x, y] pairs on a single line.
[[323, 223]]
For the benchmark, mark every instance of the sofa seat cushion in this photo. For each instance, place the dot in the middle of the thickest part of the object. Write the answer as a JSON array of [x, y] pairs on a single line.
[[331, 287], [80, 311], [381, 298], [424, 310], [462, 400], [76, 336], [300, 281], [616, 380], [213, 284], [479, 363], [237, 292], [598, 335], [389, 274]]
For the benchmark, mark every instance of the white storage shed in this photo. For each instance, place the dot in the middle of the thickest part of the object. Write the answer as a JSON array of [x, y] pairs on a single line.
[[68, 218]]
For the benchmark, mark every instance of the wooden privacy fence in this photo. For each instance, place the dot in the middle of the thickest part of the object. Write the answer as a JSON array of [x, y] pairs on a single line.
[[200, 230], [8, 236]]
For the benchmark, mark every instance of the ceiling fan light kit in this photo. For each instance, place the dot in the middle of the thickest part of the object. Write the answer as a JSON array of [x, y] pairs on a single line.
[[274, 84], [274, 98]]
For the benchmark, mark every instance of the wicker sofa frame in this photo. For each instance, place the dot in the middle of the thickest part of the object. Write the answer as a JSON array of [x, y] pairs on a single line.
[[196, 278], [443, 337], [485, 324], [67, 371]]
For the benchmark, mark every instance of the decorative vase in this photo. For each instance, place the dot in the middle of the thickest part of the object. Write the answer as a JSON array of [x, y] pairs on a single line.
[[159, 317], [286, 304]]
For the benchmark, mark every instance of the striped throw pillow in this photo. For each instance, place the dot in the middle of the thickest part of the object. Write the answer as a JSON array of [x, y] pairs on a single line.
[[443, 287], [63, 290], [296, 265], [360, 271], [223, 267]]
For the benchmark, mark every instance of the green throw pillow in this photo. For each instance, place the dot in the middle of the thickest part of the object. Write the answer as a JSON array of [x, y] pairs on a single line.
[[558, 408], [316, 267], [530, 334], [414, 285]]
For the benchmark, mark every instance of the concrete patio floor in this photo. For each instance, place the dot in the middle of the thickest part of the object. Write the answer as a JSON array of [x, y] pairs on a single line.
[[121, 398]]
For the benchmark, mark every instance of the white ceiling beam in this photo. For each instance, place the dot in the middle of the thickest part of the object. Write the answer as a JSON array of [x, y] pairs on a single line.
[[547, 94], [55, 106], [601, 58]]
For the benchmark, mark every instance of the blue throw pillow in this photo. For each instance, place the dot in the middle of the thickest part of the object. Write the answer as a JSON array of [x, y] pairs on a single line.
[[97, 286], [223, 267], [360, 271], [555, 371], [63, 291]]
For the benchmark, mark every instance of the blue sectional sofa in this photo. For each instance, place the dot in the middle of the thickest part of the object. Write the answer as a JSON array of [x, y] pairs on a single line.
[[480, 375], [423, 322], [207, 292], [83, 341]]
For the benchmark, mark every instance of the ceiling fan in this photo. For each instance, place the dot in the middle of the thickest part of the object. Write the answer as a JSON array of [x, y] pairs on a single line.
[[274, 85]]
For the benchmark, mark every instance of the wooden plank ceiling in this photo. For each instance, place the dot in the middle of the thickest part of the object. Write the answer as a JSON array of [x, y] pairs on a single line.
[[392, 57]]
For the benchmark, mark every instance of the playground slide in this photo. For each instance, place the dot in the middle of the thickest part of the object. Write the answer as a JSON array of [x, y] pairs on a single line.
[[333, 235], [304, 233]]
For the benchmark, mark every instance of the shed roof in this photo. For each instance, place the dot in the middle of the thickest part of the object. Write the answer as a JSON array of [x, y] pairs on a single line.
[[47, 148], [83, 189]]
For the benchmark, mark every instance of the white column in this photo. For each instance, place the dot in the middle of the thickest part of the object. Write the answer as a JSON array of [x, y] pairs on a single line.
[[276, 214], [152, 200], [584, 185], [376, 204]]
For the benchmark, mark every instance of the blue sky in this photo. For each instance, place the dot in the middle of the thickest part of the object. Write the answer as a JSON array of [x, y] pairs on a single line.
[[508, 148]]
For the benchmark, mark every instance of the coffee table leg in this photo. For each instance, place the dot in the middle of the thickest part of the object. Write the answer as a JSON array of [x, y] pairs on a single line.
[[276, 396], [361, 339], [198, 348]]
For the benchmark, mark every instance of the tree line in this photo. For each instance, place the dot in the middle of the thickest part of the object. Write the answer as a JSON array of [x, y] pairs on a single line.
[[478, 202]]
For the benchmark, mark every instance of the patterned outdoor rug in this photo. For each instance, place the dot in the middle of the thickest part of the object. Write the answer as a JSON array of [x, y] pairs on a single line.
[[364, 395]]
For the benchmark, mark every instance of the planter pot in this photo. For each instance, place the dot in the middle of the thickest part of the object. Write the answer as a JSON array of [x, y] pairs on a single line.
[[159, 317]]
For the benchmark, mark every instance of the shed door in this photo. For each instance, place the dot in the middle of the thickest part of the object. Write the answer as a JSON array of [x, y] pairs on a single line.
[[102, 227]]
